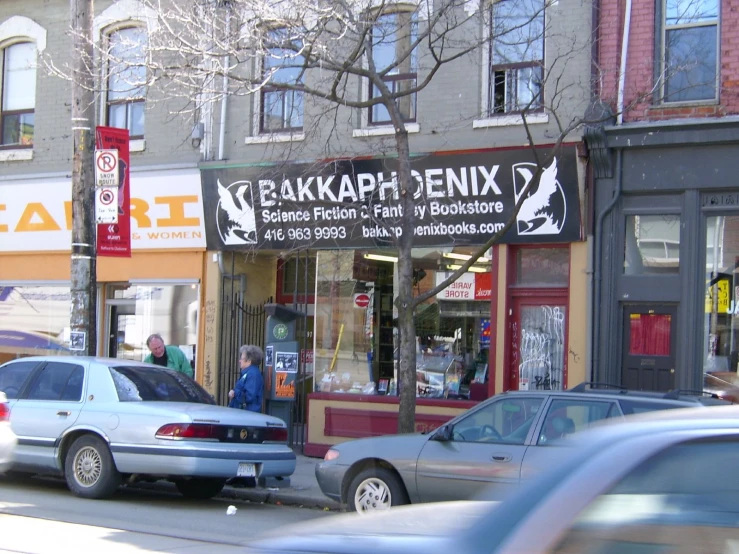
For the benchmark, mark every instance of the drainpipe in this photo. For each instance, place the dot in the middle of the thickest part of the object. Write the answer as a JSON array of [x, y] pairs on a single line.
[[233, 276], [623, 66], [599, 263]]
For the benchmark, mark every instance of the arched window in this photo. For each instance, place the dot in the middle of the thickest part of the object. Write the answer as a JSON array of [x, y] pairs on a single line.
[[18, 89], [126, 76]]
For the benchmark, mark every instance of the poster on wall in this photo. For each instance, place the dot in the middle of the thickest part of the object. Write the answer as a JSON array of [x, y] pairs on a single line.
[[465, 197]]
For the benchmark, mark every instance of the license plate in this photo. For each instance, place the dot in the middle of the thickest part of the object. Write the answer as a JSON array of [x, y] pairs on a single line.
[[246, 470]]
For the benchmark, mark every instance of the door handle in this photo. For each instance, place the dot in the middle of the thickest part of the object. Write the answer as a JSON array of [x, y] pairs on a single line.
[[501, 458], [64, 413]]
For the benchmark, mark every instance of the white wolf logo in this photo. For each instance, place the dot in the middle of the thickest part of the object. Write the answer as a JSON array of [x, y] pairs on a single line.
[[544, 210], [235, 214]]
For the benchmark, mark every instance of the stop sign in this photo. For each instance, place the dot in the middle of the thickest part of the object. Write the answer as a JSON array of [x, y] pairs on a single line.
[[361, 300]]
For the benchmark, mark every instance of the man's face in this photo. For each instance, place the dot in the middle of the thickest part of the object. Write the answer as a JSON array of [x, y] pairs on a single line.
[[157, 347]]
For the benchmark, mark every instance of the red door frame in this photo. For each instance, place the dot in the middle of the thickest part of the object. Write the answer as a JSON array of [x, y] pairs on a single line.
[[539, 295]]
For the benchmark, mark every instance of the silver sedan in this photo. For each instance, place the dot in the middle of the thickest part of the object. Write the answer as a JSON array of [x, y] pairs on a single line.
[[102, 422], [501, 442]]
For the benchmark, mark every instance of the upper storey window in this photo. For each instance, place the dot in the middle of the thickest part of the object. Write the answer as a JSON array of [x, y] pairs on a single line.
[[127, 80], [18, 90]]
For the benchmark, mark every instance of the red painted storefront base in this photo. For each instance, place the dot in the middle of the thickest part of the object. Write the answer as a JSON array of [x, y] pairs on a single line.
[[360, 420]]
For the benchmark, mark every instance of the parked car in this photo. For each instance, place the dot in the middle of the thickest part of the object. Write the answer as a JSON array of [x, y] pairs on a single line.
[[499, 442], [7, 437], [101, 422], [661, 483], [724, 384]]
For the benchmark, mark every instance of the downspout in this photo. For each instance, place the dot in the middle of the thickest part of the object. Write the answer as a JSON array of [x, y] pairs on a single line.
[[599, 263], [233, 276], [224, 92], [623, 66]]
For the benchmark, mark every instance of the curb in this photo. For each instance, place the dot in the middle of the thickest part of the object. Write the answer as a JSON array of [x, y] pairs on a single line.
[[280, 498]]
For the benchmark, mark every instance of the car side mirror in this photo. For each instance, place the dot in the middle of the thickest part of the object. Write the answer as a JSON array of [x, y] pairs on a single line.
[[443, 434]]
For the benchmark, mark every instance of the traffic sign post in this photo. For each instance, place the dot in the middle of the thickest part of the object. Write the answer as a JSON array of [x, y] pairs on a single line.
[[106, 168]]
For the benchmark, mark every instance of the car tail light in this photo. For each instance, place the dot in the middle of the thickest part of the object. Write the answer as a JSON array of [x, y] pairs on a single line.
[[189, 431], [4, 412], [275, 434]]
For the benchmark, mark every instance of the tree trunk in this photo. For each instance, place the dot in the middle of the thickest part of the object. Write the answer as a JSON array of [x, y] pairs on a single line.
[[404, 302], [82, 321]]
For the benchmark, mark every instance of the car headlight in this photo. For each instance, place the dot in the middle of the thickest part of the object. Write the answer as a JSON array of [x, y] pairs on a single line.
[[331, 455]]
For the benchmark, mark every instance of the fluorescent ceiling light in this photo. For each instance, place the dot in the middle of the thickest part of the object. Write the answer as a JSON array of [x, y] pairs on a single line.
[[456, 256], [381, 258], [473, 269]]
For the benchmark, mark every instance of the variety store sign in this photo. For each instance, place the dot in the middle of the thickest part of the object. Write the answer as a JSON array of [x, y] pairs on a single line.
[[460, 198], [166, 213]]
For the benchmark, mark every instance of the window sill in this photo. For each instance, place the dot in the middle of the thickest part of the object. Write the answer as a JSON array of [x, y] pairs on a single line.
[[137, 145], [16, 155], [384, 130], [275, 137], [508, 120]]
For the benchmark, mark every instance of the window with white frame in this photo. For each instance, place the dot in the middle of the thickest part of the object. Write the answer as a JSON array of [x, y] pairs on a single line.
[[126, 73], [516, 56], [281, 107], [690, 59], [392, 39], [18, 104]]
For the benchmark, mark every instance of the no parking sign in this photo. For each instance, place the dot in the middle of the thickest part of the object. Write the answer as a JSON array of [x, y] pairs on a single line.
[[106, 205]]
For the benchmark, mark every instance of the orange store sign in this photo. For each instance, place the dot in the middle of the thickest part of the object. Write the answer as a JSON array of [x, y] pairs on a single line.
[[166, 213]]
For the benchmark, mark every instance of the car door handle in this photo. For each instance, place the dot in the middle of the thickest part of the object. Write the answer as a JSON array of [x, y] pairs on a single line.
[[64, 413], [501, 458]]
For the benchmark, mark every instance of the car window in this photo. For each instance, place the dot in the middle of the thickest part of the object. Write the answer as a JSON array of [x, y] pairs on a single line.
[[140, 383], [507, 420], [13, 375], [57, 381], [684, 499], [630, 407], [566, 416]]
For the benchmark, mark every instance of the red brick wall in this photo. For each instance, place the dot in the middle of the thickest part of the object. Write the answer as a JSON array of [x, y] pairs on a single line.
[[640, 73]]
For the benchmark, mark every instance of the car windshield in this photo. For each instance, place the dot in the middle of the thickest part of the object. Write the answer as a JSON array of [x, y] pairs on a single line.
[[141, 384]]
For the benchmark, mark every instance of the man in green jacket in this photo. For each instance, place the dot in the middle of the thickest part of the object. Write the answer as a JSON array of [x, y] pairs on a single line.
[[167, 356]]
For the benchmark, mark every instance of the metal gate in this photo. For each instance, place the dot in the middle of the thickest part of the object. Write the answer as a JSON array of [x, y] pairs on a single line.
[[240, 324]]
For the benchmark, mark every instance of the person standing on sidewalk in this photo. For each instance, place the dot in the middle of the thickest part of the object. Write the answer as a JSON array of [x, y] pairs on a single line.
[[170, 357], [248, 391]]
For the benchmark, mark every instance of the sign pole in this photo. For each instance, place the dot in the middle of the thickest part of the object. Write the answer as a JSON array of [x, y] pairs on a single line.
[[83, 274]]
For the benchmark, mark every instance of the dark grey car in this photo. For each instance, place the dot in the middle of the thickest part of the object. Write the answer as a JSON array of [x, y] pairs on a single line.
[[500, 442]]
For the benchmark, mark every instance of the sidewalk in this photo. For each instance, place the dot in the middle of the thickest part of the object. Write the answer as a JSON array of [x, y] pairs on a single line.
[[300, 490]]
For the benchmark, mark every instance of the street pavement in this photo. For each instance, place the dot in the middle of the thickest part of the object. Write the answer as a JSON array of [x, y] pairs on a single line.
[[300, 490]]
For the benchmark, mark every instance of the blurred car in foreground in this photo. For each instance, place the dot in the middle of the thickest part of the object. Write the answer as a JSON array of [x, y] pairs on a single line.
[[724, 384], [663, 482], [498, 442], [7, 437], [101, 422]]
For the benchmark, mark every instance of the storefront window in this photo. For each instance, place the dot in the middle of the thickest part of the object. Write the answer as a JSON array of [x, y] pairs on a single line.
[[652, 245], [356, 333], [137, 311], [721, 320], [543, 267], [34, 320]]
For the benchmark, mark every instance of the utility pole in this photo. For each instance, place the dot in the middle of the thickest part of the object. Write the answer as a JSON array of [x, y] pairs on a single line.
[[83, 316]]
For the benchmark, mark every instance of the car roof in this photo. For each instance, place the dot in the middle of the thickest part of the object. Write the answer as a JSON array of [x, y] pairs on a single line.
[[110, 362], [683, 397]]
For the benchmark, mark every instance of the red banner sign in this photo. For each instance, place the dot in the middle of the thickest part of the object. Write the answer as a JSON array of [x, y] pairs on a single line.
[[114, 239]]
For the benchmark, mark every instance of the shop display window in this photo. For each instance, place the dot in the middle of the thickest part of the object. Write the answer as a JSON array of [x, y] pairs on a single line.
[[136, 311], [34, 320], [721, 309], [356, 335]]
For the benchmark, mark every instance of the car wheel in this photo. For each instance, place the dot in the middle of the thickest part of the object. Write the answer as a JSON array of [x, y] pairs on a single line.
[[89, 468], [375, 489], [200, 488]]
